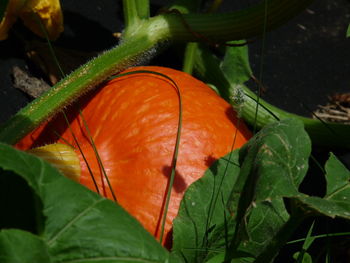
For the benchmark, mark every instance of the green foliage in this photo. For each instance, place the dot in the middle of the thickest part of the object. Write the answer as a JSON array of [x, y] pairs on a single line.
[[336, 201], [249, 208], [17, 246], [235, 64], [80, 225], [273, 164], [204, 220], [236, 211], [250, 220], [303, 256]]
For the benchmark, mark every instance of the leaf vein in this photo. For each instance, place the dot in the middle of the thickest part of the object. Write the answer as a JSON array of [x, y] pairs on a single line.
[[71, 222]]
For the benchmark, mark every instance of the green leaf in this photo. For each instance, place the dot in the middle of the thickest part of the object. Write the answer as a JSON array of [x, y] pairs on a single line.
[[17, 246], [284, 149], [273, 164], [80, 225], [336, 202], [303, 256], [200, 229], [337, 176], [204, 229], [236, 65], [236, 68], [348, 31]]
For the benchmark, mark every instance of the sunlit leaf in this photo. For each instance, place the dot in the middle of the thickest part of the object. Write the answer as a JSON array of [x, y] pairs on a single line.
[[279, 154], [199, 228], [273, 164]]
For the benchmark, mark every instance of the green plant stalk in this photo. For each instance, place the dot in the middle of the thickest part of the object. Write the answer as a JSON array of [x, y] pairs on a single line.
[[143, 9], [190, 53], [321, 133], [139, 45], [130, 11], [186, 7], [73, 86]]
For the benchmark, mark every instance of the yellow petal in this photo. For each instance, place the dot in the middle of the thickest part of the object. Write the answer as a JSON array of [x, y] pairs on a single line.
[[48, 12], [62, 157], [12, 11]]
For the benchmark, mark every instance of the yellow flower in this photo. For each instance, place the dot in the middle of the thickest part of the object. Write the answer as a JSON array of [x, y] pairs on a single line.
[[35, 14]]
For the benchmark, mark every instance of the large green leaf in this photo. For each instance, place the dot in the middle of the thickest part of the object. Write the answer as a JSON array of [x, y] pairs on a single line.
[[17, 246], [336, 202], [80, 225], [282, 152], [273, 164], [250, 205], [200, 229]]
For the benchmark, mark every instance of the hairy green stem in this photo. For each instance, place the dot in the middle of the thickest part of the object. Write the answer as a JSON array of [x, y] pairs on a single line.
[[136, 46], [88, 76]]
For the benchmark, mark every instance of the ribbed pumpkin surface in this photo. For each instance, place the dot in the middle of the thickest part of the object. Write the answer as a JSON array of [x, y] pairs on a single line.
[[133, 121]]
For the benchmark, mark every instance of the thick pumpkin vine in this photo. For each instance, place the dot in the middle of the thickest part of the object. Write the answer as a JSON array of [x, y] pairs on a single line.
[[138, 44], [238, 184]]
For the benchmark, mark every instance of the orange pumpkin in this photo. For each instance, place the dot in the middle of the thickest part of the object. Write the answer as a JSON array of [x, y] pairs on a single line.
[[133, 121]]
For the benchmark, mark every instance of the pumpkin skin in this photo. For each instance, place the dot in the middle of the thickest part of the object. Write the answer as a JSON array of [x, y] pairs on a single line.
[[133, 121]]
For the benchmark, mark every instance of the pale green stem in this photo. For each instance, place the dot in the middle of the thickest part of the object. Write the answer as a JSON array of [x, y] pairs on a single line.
[[185, 7], [190, 53], [143, 9], [131, 16]]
